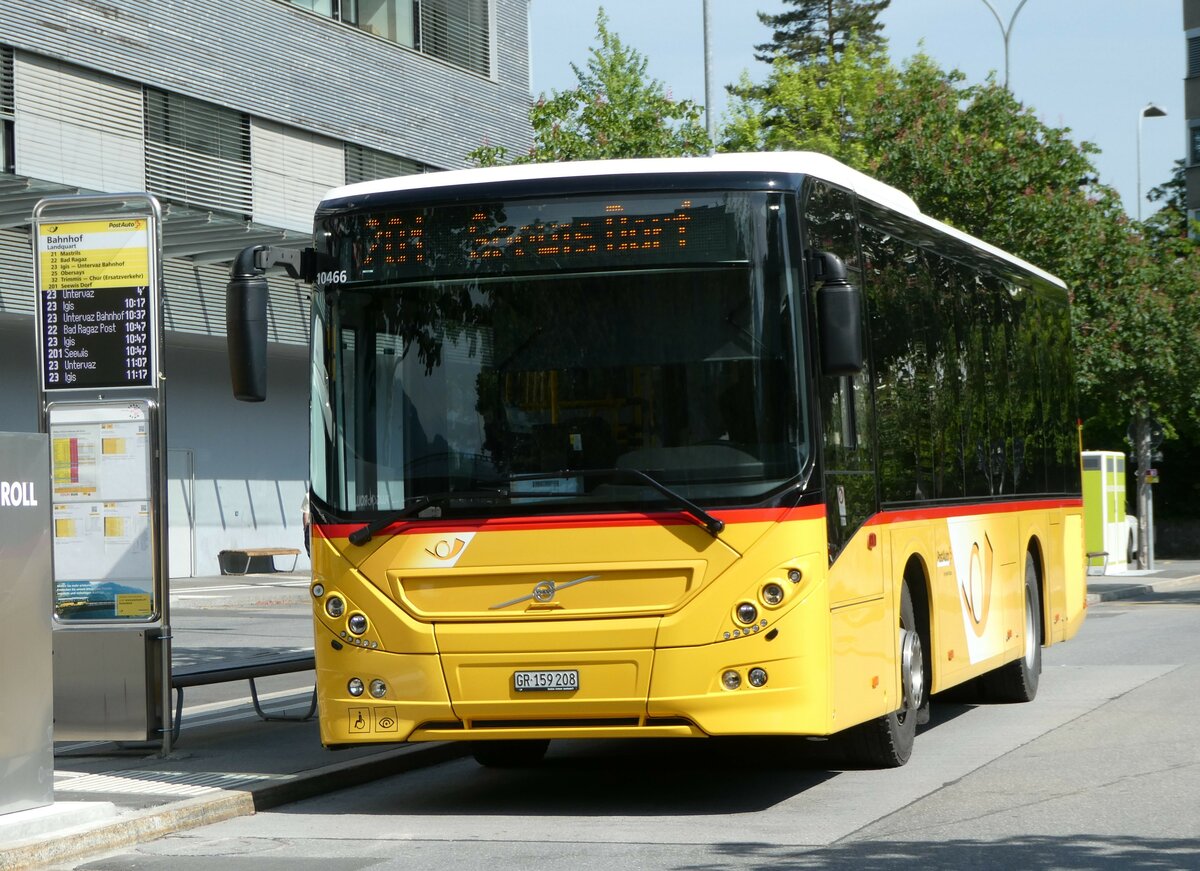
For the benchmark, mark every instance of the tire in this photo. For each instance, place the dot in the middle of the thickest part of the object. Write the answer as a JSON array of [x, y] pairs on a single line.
[[509, 754], [887, 742], [1130, 552], [1017, 681]]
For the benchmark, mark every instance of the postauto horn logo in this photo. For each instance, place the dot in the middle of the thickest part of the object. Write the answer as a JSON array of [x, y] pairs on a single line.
[[17, 494]]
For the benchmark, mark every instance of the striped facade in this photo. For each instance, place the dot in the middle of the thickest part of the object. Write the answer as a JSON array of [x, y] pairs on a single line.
[[238, 115]]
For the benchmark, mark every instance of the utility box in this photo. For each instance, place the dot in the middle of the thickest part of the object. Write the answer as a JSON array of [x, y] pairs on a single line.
[[1106, 531], [26, 666]]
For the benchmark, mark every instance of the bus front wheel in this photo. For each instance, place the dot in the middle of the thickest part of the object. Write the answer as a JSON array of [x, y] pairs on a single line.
[[887, 742]]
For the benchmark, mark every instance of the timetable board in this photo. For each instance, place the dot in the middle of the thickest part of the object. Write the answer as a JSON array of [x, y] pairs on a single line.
[[96, 304], [101, 500]]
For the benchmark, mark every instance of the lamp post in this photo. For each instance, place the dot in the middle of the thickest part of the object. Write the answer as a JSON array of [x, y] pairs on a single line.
[[1144, 439], [1148, 111], [709, 121], [1005, 31]]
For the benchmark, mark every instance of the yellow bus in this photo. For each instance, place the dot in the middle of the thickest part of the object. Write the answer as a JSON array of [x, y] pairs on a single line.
[[736, 445]]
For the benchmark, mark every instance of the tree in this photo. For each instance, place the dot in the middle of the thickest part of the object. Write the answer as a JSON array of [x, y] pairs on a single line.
[[1171, 219], [615, 110], [976, 158], [815, 30], [809, 107]]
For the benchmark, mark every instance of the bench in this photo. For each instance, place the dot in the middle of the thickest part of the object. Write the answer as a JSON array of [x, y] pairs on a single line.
[[237, 560], [1101, 555], [246, 669]]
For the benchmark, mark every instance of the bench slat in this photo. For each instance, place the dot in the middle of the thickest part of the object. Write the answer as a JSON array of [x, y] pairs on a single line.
[[246, 669]]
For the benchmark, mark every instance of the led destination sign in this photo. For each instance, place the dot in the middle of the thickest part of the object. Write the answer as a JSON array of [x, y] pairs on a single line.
[[521, 236], [95, 304]]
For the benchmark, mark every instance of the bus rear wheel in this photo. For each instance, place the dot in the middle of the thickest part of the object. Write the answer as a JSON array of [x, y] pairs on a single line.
[[1018, 680], [509, 754], [887, 742]]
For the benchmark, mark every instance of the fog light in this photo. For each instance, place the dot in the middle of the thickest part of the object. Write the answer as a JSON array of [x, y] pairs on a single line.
[[379, 688], [757, 677], [747, 613], [794, 576], [335, 607], [772, 594], [355, 687], [357, 623], [318, 590], [731, 680]]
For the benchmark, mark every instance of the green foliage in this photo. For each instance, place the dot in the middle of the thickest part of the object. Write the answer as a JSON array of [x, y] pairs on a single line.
[[615, 110], [811, 108], [816, 30], [976, 158]]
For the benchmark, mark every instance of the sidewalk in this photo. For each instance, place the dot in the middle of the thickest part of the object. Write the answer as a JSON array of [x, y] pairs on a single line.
[[1166, 575], [232, 765], [229, 763]]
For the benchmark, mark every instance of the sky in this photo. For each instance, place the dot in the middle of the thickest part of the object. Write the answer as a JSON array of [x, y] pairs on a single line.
[[1090, 65]]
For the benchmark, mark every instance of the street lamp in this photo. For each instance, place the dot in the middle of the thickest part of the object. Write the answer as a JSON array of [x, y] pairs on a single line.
[[1148, 111], [1006, 31], [709, 121]]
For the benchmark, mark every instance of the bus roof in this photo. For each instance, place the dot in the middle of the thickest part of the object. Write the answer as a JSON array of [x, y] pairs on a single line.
[[808, 163]]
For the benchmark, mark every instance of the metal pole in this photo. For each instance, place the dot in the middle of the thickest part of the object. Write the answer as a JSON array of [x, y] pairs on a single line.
[[1006, 32], [709, 121], [1148, 111], [1141, 115], [1144, 496]]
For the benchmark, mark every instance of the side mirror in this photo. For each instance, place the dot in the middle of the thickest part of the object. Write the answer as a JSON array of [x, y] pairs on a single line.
[[839, 316], [246, 327]]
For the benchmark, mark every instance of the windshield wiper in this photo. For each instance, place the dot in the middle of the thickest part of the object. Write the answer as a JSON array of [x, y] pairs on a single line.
[[713, 525], [419, 503]]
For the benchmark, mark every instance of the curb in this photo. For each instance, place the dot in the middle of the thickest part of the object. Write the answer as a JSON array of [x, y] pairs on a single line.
[[152, 823], [1132, 591]]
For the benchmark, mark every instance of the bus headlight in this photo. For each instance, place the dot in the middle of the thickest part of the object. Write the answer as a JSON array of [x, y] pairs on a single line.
[[378, 688], [747, 613], [357, 623], [731, 680], [772, 594], [757, 677], [335, 606], [355, 687]]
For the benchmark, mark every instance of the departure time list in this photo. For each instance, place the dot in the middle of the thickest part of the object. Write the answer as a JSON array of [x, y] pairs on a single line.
[[95, 304]]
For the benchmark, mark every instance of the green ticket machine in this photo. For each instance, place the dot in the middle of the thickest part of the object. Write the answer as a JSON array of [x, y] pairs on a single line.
[[1106, 529]]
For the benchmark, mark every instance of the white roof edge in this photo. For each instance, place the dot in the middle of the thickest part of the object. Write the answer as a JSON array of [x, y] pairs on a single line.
[[800, 162]]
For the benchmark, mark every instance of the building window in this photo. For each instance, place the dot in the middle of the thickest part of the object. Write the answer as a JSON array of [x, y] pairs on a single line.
[[1193, 56], [197, 153], [456, 31], [1194, 144], [367, 164], [7, 111]]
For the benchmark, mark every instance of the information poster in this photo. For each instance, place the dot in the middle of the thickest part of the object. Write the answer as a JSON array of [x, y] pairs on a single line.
[[95, 314], [100, 487]]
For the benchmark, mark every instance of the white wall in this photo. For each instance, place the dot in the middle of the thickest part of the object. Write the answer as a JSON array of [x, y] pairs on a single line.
[[249, 460]]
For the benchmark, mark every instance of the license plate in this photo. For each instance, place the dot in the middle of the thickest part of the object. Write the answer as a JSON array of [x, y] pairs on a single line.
[[559, 680]]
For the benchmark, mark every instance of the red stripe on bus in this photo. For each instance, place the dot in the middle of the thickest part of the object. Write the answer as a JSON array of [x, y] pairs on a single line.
[[574, 521], [942, 512]]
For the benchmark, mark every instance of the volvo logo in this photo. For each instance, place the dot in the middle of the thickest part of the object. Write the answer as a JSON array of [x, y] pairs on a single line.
[[544, 592]]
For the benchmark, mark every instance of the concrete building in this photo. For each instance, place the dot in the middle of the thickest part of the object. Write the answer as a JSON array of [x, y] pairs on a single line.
[[238, 115], [1191, 100]]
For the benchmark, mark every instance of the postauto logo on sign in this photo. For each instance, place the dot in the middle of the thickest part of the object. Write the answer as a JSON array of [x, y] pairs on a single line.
[[17, 494]]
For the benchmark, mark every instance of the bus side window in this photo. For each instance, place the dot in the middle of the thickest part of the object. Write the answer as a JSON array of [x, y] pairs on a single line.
[[831, 224]]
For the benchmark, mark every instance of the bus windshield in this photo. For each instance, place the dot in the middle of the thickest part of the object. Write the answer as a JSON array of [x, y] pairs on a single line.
[[513, 358]]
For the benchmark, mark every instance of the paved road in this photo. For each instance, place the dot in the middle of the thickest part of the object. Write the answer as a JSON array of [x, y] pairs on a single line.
[[1101, 771]]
